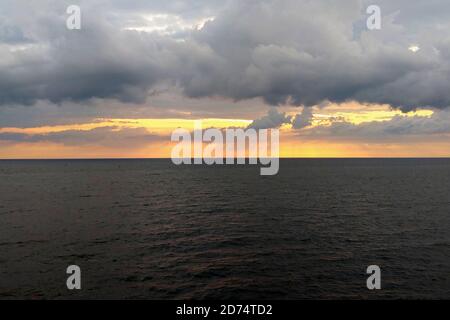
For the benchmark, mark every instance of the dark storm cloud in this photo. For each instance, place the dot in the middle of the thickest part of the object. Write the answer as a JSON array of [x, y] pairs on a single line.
[[284, 51]]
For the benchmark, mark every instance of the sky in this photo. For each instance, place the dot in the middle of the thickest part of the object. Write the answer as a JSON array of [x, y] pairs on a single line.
[[137, 70]]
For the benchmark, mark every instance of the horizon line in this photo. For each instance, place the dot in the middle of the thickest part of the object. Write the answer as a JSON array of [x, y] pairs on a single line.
[[168, 158]]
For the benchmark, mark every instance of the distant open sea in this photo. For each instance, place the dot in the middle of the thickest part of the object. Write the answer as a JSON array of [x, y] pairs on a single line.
[[147, 229]]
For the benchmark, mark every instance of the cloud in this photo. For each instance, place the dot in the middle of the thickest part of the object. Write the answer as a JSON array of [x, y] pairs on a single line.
[[102, 136], [303, 119], [414, 128], [11, 34], [273, 119], [283, 51]]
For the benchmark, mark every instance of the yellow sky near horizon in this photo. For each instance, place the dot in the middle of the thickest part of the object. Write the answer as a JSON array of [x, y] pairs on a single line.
[[290, 144]]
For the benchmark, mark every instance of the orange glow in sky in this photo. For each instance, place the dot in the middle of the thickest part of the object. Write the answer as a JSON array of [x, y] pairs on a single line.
[[291, 145]]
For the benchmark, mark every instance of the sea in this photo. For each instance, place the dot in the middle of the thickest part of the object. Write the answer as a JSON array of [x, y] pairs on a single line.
[[148, 229]]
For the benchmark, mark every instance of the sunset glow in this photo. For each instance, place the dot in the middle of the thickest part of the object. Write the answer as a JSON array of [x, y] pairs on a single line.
[[291, 145]]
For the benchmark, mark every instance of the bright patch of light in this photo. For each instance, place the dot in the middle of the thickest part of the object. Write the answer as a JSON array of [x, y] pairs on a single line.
[[202, 22], [168, 24], [414, 48]]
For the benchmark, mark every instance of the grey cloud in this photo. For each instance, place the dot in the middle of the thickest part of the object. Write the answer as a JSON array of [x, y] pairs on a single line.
[[400, 127], [303, 119], [12, 34], [103, 136], [167, 104], [284, 51], [273, 119]]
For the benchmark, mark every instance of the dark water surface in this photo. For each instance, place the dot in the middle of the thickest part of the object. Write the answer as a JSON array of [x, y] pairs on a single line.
[[149, 229]]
